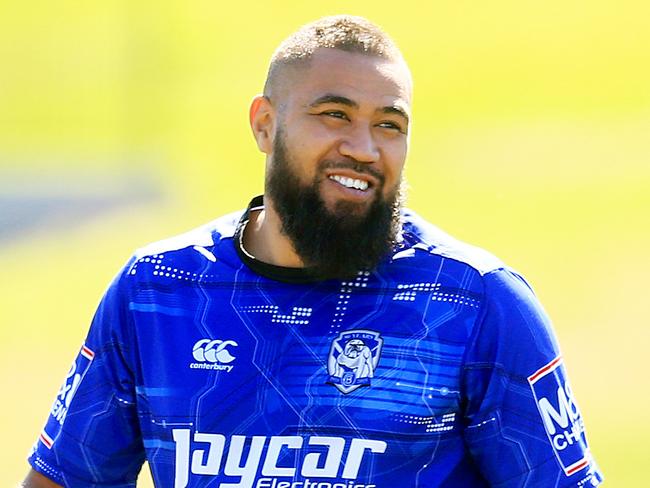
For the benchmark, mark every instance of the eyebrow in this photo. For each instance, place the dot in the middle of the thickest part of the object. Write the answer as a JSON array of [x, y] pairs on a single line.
[[341, 100], [330, 98], [396, 110]]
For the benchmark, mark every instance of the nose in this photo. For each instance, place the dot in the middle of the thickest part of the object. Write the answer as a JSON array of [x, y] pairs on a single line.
[[360, 145]]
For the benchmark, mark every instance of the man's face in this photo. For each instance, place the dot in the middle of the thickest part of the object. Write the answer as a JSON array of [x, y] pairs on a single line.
[[344, 122], [335, 168]]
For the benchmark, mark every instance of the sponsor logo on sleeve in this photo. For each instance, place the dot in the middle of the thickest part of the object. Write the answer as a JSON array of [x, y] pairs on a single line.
[[561, 416], [353, 358], [66, 393], [215, 355]]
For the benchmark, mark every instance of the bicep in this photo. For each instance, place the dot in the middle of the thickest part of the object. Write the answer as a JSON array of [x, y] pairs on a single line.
[[92, 435], [523, 424], [35, 479]]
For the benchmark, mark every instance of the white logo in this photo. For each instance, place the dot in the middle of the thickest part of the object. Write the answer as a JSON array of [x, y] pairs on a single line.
[[561, 416], [71, 383], [213, 354], [353, 358], [214, 454], [65, 395], [567, 416]]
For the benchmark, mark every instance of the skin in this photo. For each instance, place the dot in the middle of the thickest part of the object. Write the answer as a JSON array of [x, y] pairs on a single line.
[[37, 480], [339, 107]]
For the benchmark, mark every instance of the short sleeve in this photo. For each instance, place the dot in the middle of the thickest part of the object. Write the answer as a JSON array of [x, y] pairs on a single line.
[[523, 425], [91, 437]]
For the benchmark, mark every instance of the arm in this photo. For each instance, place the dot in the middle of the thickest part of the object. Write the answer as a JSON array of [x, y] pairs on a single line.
[[37, 480], [92, 435], [523, 427]]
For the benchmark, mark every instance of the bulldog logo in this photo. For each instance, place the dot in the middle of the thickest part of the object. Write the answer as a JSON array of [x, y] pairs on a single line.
[[353, 358]]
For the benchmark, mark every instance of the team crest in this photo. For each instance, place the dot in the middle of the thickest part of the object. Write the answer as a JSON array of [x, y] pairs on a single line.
[[353, 358]]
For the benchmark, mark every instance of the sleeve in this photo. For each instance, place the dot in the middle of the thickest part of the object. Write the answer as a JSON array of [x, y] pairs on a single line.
[[523, 425], [92, 437]]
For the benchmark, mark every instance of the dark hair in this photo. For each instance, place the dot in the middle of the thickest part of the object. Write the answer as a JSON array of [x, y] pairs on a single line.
[[344, 32]]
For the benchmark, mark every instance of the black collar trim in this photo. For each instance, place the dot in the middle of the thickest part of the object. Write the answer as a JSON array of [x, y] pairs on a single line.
[[278, 273]]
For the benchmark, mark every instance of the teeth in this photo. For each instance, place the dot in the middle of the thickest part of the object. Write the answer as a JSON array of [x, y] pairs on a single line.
[[350, 182]]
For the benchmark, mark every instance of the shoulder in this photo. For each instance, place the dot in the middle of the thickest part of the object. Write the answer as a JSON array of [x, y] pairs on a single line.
[[185, 255], [478, 269], [424, 237], [206, 236]]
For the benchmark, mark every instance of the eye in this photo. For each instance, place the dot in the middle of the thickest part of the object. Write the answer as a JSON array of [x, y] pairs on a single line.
[[337, 114], [391, 125]]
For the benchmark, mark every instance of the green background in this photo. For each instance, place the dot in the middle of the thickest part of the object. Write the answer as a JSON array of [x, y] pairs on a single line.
[[125, 122]]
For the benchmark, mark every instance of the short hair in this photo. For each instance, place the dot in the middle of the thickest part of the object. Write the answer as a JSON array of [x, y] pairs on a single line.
[[344, 32]]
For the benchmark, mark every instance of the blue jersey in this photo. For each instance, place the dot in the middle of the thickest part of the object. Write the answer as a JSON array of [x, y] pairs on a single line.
[[438, 368]]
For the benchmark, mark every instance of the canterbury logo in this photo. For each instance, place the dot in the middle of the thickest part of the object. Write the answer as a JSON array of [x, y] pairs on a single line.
[[213, 351]]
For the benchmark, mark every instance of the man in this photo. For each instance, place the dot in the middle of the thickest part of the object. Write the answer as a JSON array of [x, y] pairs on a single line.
[[325, 337]]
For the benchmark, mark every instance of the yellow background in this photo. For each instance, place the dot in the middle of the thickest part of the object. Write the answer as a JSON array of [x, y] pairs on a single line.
[[125, 122]]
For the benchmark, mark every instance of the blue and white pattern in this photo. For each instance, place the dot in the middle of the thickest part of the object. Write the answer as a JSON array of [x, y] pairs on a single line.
[[437, 368]]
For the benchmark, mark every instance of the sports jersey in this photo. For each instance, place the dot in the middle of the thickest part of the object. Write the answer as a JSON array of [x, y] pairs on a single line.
[[438, 368]]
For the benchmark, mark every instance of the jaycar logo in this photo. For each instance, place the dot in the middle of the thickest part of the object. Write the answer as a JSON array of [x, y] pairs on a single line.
[[213, 354], [274, 462], [561, 416]]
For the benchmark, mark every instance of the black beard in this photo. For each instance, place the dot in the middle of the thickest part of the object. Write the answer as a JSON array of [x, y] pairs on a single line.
[[338, 243]]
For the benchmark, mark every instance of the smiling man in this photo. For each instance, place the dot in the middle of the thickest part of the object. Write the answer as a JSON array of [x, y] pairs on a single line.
[[334, 126], [325, 337]]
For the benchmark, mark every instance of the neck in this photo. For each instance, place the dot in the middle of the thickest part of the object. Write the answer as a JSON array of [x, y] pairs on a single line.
[[263, 238]]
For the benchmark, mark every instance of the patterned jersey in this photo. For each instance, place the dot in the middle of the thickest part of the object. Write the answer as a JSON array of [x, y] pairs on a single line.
[[439, 368]]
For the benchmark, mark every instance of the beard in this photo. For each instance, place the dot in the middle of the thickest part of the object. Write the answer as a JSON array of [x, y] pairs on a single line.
[[335, 243]]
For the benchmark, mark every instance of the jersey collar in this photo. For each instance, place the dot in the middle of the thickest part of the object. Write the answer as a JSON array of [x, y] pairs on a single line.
[[278, 273]]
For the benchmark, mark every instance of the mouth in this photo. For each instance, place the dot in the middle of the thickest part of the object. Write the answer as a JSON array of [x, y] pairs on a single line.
[[352, 183]]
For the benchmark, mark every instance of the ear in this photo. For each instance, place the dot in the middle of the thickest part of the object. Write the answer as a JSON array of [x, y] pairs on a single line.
[[262, 119]]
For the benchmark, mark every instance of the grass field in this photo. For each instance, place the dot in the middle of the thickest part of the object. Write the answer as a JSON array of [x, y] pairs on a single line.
[[124, 123]]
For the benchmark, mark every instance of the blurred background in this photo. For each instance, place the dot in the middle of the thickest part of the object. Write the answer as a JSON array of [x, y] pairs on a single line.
[[125, 122]]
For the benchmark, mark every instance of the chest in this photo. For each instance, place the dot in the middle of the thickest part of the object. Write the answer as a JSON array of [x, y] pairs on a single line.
[[280, 356]]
